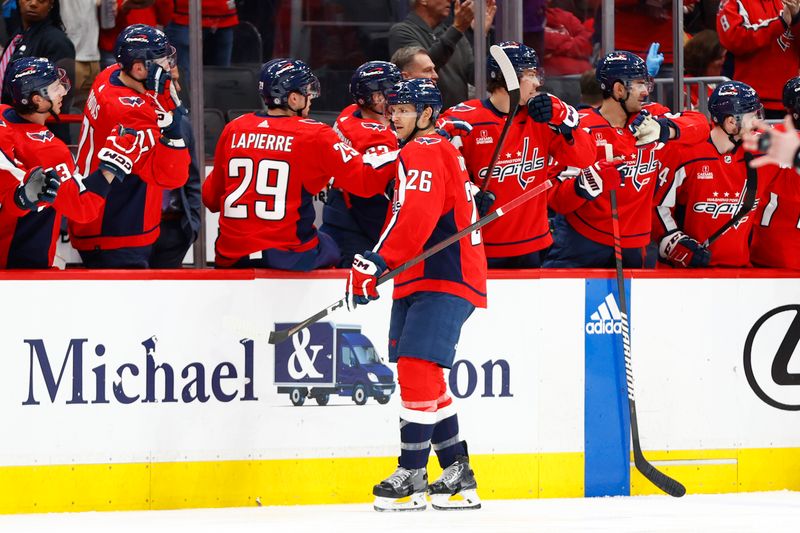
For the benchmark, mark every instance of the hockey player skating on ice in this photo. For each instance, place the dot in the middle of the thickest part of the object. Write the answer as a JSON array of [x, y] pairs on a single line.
[[637, 132], [432, 300], [355, 222], [266, 169]]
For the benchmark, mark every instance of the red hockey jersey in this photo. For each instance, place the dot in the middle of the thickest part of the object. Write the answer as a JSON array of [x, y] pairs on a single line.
[[766, 53], [28, 238], [702, 191], [592, 219], [266, 170], [368, 137], [132, 212], [432, 201], [524, 161]]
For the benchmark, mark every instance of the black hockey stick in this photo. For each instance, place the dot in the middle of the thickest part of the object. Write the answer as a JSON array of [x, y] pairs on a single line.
[[656, 477], [276, 337], [512, 86], [748, 202]]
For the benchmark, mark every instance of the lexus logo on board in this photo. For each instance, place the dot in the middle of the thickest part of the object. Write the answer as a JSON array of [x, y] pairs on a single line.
[[768, 364]]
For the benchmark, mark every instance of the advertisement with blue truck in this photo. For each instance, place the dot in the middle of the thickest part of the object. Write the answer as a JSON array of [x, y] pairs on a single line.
[[326, 359]]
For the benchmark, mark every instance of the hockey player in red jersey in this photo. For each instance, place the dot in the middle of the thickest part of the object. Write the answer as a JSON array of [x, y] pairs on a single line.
[[637, 132], [432, 300], [707, 184], [354, 222], [776, 230], [762, 38], [29, 228], [140, 96], [268, 166], [544, 129]]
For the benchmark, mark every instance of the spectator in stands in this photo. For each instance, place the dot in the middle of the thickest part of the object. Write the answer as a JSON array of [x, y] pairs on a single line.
[[762, 42], [219, 19], [591, 93], [703, 56], [10, 17], [414, 62], [150, 12], [83, 29], [180, 208], [40, 34], [567, 43], [638, 24], [447, 46]]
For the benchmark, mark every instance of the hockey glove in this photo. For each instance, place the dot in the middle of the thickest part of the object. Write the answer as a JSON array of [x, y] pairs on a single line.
[[648, 129], [600, 177], [654, 60], [484, 201], [363, 279], [120, 152], [560, 116], [39, 186], [449, 128], [680, 250]]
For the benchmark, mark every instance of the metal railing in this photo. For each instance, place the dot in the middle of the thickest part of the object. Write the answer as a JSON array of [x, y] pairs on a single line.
[[663, 86]]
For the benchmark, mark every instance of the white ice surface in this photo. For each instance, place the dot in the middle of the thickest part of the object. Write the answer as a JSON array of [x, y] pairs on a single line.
[[766, 512]]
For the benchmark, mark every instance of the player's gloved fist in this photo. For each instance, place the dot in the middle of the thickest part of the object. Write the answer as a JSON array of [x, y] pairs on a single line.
[[648, 129], [600, 177], [484, 201], [654, 60], [449, 128], [562, 117], [363, 280], [120, 152], [39, 186], [680, 250]]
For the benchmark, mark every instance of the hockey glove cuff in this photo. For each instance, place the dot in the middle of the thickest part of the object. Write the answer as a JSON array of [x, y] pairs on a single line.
[[120, 152], [363, 279], [680, 250], [39, 186], [600, 177]]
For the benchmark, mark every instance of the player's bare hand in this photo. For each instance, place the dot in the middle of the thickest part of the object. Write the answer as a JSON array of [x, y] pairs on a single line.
[[781, 147], [463, 14]]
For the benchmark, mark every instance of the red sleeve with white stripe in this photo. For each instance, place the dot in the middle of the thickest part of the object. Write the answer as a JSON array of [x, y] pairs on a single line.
[[741, 28]]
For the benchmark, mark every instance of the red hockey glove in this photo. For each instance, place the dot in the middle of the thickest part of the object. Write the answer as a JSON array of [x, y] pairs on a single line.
[[363, 280], [38, 186], [120, 152], [680, 250], [562, 117], [600, 177], [449, 128]]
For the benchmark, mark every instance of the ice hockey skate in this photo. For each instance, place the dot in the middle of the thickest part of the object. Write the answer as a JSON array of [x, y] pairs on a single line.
[[404, 490], [456, 489]]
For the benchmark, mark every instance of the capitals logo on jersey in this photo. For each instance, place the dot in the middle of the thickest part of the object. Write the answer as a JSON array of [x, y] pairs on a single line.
[[131, 101], [374, 126], [427, 140], [41, 136], [461, 108], [639, 171], [516, 164]]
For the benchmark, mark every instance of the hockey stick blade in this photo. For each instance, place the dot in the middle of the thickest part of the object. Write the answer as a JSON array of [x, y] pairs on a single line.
[[512, 86], [667, 484], [276, 337], [748, 202]]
